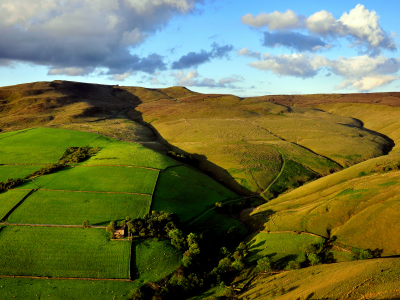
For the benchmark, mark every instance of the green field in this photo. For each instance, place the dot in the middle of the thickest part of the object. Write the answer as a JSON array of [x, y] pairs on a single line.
[[122, 153], [186, 192], [41, 145], [9, 199], [55, 289], [62, 252], [13, 172], [280, 247], [154, 260], [72, 208], [101, 179]]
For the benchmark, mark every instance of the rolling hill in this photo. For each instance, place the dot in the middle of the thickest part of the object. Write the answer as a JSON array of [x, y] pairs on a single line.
[[326, 169]]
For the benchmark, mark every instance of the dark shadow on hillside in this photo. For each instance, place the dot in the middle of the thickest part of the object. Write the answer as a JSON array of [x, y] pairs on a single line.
[[198, 161]]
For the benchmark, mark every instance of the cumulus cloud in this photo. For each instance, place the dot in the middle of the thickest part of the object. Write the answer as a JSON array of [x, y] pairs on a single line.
[[275, 21], [120, 77], [73, 37], [249, 53], [297, 65], [194, 59], [360, 25], [193, 78], [294, 40], [361, 72]]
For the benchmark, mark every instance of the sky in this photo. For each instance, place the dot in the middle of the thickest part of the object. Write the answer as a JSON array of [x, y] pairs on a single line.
[[245, 48]]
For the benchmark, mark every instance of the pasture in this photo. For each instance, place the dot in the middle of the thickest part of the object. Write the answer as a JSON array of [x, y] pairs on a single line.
[[101, 179], [122, 153], [72, 208], [57, 289], [153, 260], [41, 145], [9, 199], [280, 247], [13, 172], [62, 252], [187, 192]]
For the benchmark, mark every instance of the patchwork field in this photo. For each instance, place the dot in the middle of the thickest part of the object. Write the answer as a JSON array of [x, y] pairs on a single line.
[[367, 279], [12, 172], [62, 252], [200, 193], [72, 208], [122, 153], [154, 260], [54, 289], [100, 179], [8, 200], [40, 145]]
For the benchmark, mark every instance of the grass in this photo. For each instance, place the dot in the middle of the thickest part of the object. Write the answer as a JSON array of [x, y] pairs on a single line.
[[122, 153], [361, 212], [280, 247], [41, 145], [154, 260], [33, 289], [13, 172], [372, 279], [187, 192], [71, 208], [9, 199], [102, 179], [62, 252]]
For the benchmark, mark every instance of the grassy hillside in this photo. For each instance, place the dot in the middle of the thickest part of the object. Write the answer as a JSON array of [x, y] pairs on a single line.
[[372, 279], [358, 205], [244, 143]]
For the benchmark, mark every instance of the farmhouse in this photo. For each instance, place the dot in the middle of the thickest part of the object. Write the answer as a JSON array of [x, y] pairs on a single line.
[[120, 232]]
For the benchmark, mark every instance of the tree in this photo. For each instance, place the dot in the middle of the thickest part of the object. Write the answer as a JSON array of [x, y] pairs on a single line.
[[264, 265], [177, 238], [85, 224]]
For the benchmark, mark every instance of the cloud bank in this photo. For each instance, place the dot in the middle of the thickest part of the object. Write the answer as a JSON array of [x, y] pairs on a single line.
[[74, 37], [360, 25]]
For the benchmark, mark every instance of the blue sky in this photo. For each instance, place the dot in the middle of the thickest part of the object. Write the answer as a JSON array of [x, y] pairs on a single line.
[[246, 48]]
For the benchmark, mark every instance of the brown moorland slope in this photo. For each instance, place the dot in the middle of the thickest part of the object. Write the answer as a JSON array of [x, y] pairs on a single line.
[[250, 145]]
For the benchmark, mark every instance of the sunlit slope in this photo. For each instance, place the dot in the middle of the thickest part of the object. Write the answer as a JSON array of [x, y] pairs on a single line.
[[244, 143], [381, 118], [359, 205], [367, 279]]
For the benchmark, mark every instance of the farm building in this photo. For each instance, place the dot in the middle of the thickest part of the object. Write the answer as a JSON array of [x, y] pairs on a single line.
[[120, 232]]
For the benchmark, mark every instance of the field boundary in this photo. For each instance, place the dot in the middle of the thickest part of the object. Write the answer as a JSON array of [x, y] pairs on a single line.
[[64, 278], [17, 205], [95, 192], [154, 190], [281, 171], [121, 166], [50, 225]]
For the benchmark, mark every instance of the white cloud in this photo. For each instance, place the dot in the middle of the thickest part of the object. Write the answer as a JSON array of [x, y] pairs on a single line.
[[360, 25], [249, 53], [361, 72], [79, 34], [321, 23], [193, 78], [120, 77], [298, 65], [275, 20], [371, 82], [71, 71]]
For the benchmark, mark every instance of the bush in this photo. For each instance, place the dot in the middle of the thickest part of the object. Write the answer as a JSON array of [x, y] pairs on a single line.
[[264, 265], [293, 265]]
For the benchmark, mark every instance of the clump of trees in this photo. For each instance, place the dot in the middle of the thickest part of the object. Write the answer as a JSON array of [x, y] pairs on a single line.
[[77, 154], [10, 183]]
